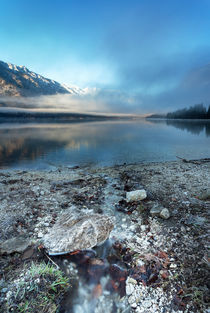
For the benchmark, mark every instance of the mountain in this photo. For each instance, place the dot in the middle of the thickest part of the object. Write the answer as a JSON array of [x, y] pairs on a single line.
[[20, 81]]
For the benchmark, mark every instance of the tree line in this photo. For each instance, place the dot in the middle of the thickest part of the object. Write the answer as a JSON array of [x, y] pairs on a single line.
[[198, 111]]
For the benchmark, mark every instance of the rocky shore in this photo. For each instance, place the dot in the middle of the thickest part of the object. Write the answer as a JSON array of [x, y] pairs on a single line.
[[158, 259]]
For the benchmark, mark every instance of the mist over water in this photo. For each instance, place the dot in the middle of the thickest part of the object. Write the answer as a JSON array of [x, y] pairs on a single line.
[[43, 146]]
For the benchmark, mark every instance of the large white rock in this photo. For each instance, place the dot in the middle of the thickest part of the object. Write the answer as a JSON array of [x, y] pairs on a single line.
[[136, 195], [77, 232]]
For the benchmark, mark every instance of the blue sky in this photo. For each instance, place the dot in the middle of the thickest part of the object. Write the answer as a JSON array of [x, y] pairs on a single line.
[[146, 48]]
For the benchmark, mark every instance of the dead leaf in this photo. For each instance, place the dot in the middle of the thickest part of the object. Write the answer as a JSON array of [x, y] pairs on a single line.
[[97, 291]]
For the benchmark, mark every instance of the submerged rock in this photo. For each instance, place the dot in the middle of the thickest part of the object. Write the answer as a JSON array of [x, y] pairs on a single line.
[[136, 195], [77, 232], [16, 244]]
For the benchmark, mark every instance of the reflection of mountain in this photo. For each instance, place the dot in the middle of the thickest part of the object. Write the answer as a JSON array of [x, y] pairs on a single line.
[[194, 127], [110, 142], [29, 143], [16, 147]]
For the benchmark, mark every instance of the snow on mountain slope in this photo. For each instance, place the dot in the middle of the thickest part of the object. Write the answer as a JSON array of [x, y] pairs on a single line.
[[20, 81]]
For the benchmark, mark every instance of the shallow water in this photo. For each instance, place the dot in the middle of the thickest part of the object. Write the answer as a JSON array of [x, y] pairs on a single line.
[[44, 146], [100, 283]]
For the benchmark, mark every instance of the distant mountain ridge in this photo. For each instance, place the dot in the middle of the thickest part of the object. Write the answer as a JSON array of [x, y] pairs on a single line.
[[20, 81]]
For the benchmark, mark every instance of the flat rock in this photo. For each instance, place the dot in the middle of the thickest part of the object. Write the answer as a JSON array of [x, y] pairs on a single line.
[[155, 211], [136, 195], [77, 232], [16, 244]]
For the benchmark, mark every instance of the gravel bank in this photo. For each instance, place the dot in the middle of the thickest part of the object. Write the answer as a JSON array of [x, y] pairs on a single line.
[[166, 254]]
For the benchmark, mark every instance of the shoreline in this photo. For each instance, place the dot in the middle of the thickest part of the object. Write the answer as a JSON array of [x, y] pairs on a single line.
[[94, 166], [31, 202]]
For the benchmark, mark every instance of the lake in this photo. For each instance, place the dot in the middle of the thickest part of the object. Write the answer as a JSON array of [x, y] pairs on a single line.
[[45, 146]]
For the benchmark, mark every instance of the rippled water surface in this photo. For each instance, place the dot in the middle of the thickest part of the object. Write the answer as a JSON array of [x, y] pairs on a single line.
[[42, 146]]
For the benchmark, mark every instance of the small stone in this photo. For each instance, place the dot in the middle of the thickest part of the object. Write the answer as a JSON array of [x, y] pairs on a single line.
[[4, 290], [165, 214], [183, 229], [132, 228], [46, 224], [136, 195], [134, 305], [147, 303], [155, 211], [139, 262], [143, 227], [40, 235], [130, 280], [129, 289], [164, 274]]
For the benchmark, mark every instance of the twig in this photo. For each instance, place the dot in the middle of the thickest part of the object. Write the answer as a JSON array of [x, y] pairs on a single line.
[[184, 160], [200, 161], [52, 261]]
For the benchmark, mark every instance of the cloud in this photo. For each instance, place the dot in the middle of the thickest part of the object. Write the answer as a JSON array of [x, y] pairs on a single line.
[[157, 50], [192, 89]]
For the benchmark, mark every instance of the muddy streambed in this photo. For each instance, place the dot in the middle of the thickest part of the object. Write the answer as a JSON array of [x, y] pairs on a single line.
[[151, 262]]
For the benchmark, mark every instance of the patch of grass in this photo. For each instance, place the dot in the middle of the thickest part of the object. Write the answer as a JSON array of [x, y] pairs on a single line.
[[196, 294], [38, 290]]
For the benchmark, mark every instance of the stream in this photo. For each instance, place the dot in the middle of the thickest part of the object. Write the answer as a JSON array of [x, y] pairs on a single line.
[[99, 280]]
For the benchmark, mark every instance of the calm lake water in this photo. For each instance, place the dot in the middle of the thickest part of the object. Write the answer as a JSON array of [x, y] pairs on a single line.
[[43, 146]]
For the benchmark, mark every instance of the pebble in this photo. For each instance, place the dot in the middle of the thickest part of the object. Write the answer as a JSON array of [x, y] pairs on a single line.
[[143, 227], [136, 195], [40, 235], [165, 214], [183, 229], [134, 305], [139, 262], [155, 211], [132, 227], [129, 289], [130, 280]]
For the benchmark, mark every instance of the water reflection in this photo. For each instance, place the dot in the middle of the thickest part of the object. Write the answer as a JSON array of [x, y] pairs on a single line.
[[194, 127], [104, 143]]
